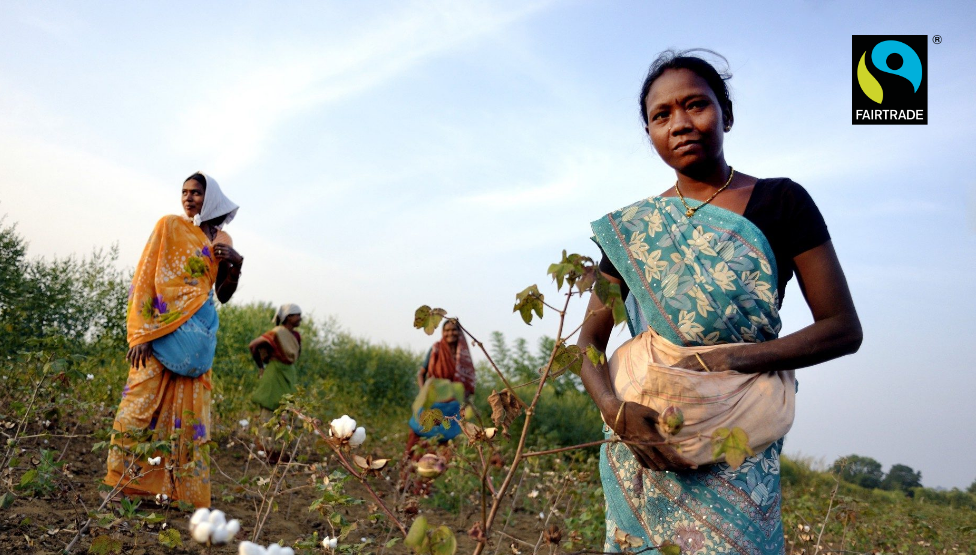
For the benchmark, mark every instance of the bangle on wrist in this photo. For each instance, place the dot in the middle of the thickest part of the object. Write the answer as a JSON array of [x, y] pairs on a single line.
[[620, 412]]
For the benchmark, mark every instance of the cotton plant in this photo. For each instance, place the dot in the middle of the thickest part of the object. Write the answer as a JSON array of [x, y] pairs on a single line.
[[345, 430], [212, 527], [250, 548]]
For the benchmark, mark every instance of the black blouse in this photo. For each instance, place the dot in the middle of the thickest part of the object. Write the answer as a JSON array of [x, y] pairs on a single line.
[[786, 214]]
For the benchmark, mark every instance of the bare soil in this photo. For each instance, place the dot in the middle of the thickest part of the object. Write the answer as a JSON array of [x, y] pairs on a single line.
[[46, 524]]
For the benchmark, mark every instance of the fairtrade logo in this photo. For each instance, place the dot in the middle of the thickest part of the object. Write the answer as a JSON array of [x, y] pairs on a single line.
[[892, 69], [910, 69]]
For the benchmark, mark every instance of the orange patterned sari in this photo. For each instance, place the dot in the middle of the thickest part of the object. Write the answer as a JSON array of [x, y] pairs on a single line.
[[172, 281]]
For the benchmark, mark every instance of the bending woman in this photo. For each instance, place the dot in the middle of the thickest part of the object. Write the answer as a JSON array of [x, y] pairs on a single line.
[[705, 263], [172, 327], [448, 359]]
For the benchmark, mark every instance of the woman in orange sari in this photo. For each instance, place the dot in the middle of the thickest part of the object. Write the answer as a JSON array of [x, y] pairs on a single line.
[[172, 324]]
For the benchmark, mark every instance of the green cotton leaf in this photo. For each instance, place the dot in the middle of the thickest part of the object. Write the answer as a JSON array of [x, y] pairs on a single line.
[[417, 533], [6, 500], [574, 269], [588, 278], [596, 356], [668, 548], [560, 271], [609, 295], [734, 444], [28, 477], [442, 541], [427, 318], [391, 543], [529, 301], [567, 358], [153, 518], [430, 418], [170, 538], [105, 545]]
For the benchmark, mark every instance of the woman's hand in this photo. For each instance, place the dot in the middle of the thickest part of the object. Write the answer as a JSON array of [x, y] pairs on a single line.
[[226, 253], [139, 355], [636, 426]]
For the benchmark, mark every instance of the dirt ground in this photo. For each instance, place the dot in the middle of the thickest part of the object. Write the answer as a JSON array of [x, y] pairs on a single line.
[[46, 524]]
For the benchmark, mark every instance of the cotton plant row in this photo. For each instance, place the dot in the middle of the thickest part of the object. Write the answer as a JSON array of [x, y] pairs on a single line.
[[211, 527]]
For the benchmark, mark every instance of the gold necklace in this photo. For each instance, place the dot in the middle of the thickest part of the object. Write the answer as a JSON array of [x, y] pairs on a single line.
[[689, 211]]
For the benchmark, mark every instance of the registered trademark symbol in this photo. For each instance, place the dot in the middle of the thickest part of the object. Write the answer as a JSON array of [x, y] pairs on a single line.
[[937, 39]]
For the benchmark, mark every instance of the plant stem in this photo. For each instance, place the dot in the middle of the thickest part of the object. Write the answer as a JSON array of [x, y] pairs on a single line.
[[351, 469], [517, 460], [481, 346]]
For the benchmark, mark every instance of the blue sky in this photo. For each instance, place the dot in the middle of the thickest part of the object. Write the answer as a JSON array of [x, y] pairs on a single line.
[[393, 154]]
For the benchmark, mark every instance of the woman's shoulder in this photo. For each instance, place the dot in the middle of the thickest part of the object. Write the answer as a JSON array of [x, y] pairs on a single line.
[[224, 238], [779, 190]]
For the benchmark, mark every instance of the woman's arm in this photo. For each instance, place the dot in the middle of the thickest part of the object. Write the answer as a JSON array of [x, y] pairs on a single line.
[[635, 422], [835, 331], [228, 271]]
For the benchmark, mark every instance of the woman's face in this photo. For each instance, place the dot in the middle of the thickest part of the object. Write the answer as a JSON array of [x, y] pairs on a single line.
[[685, 121], [193, 194], [293, 320], [451, 333]]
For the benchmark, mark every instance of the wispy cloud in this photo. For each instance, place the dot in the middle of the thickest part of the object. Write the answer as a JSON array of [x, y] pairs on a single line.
[[236, 118]]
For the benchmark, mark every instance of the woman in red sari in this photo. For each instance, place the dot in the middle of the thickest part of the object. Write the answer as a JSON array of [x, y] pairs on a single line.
[[448, 359]]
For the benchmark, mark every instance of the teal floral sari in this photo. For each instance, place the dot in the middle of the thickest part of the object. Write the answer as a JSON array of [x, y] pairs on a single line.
[[705, 280]]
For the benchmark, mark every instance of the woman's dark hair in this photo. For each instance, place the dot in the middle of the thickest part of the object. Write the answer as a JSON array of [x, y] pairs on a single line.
[[671, 59], [199, 178]]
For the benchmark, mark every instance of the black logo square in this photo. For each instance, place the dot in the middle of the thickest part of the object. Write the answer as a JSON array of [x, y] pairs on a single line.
[[890, 80]]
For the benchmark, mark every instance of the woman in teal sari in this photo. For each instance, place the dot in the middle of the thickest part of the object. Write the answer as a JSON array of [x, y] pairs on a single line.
[[705, 263]]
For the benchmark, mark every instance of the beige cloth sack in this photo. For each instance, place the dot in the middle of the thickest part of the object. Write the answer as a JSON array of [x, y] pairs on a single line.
[[288, 343], [761, 404]]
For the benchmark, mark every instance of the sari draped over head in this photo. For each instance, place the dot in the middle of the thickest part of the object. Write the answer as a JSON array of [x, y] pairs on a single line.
[[695, 283], [442, 364], [280, 376], [171, 286], [215, 204]]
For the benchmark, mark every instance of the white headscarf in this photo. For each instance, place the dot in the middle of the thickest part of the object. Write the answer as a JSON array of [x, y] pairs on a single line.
[[285, 311], [215, 204]]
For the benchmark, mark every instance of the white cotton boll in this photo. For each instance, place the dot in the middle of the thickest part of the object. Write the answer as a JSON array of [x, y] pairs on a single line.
[[90, 377], [233, 527], [330, 542], [219, 535], [199, 516], [154, 461], [286, 551], [358, 437], [274, 549], [201, 532], [249, 548], [343, 427], [217, 518], [243, 422]]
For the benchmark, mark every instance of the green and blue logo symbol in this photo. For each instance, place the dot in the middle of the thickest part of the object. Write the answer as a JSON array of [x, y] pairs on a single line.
[[890, 80]]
